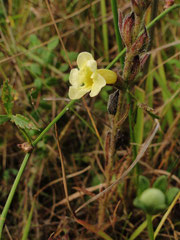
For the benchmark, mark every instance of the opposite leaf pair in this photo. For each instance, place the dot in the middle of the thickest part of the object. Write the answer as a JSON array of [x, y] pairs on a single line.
[[156, 199]]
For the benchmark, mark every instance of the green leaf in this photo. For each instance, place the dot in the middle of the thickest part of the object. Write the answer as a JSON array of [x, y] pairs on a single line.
[[66, 77], [23, 122], [34, 41], [143, 184], [35, 69], [170, 194], [161, 183], [72, 55], [51, 81], [4, 118], [47, 56], [7, 97], [64, 67], [38, 83], [53, 43]]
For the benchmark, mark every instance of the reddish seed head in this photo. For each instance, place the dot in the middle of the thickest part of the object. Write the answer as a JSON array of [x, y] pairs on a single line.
[[127, 29], [141, 43]]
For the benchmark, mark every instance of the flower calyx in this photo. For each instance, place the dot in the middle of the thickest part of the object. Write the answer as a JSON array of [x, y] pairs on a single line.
[[126, 27], [141, 43]]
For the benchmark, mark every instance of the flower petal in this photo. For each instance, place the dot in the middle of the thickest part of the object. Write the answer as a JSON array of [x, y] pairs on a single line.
[[108, 75], [77, 92], [98, 83], [92, 65], [83, 58], [73, 77]]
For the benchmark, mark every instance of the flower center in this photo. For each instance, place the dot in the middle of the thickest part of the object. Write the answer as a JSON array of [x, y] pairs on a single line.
[[85, 74]]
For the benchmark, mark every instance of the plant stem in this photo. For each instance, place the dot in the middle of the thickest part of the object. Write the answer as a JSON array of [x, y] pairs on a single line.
[[53, 122], [116, 28], [132, 137], [12, 192], [150, 226], [23, 165]]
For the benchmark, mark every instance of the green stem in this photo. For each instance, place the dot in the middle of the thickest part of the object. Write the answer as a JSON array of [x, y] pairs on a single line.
[[23, 165], [53, 122], [116, 28], [12, 192], [150, 226]]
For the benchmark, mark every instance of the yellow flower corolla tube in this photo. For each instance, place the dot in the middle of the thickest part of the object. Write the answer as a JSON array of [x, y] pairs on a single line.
[[87, 78]]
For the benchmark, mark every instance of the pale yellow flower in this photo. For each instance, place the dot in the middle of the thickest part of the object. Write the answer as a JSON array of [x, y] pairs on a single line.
[[88, 78]]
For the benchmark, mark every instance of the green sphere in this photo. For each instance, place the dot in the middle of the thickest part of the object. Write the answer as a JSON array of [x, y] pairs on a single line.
[[153, 199]]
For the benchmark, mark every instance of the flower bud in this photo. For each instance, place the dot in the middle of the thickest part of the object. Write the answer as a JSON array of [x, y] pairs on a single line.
[[26, 147], [112, 102], [141, 43], [126, 28], [152, 201]]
